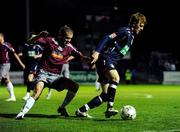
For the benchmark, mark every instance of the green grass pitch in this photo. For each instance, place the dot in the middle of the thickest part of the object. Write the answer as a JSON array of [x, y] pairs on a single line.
[[158, 110]]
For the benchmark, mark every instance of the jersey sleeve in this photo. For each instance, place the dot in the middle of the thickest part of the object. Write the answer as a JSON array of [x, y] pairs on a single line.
[[75, 52], [45, 42], [9, 46], [42, 40], [103, 43]]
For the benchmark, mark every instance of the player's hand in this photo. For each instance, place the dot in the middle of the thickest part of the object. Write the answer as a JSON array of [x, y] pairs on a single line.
[[23, 66], [86, 59], [95, 57], [70, 58], [43, 33], [93, 66]]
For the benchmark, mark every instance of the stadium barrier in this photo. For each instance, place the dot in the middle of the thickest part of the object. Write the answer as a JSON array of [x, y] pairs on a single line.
[[82, 77], [16, 77], [170, 77], [89, 77]]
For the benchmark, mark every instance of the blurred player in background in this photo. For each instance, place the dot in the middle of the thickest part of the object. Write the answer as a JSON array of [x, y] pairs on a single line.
[[109, 51], [97, 84], [31, 54], [5, 49]]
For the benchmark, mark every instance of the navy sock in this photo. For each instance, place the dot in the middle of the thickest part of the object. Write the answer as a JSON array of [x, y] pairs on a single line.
[[30, 86], [95, 102]]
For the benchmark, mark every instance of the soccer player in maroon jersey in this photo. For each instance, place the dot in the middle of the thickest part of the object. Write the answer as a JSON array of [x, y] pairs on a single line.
[[5, 49], [57, 51]]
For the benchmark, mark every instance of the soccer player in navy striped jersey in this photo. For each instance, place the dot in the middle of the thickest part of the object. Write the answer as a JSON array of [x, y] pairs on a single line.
[[109, 51], [31, 54]]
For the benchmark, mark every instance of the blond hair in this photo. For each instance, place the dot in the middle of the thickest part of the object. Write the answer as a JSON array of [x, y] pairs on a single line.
[[136, 18], [65, 30]]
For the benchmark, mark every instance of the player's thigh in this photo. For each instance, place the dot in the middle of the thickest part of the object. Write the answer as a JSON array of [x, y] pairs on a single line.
[[38, 90], [30, 77], [112, 75], [64, 83]]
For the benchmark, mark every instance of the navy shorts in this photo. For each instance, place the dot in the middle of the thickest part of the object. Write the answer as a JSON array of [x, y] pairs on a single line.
[[102, 65]]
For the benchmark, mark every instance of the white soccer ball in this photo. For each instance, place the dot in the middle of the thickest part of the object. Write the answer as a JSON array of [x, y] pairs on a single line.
[[128, 112]]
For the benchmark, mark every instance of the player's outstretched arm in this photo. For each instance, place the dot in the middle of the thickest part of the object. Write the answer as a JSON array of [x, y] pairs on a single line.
[[19, 60], [95, 57], [36, 37]]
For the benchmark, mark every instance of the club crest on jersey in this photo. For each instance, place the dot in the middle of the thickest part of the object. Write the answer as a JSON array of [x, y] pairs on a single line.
[[57, 55], [113, 35], [112, 66]]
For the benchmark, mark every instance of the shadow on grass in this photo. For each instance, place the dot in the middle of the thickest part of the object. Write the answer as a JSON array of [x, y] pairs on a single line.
[[12, 115]]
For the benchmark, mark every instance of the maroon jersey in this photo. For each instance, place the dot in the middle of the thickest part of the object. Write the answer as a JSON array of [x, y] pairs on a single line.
[[54, 55], [5, 48]]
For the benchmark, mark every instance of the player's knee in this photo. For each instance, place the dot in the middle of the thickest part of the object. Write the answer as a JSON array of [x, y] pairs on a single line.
[[4, 81], [113, 82], [116, 79], [37, 99], [75, 87], [103, 97], [38, 90]]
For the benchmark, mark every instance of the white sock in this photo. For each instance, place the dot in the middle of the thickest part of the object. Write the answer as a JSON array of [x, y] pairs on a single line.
[[10, 89], [98, 85], [28, 105], [28, 94], [87, 107], [49, 92]]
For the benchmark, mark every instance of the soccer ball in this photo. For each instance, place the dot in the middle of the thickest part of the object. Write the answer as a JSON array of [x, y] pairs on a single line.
[[128, 112]]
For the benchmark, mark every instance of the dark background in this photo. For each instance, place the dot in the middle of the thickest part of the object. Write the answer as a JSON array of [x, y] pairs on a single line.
[[160, 34]]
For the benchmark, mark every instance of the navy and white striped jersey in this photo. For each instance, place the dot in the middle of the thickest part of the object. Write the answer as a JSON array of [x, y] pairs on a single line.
[[116, 45], [29, 51]]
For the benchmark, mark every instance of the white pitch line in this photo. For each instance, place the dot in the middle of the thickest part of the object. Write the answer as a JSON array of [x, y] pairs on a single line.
[[148, 96], [173, 130]]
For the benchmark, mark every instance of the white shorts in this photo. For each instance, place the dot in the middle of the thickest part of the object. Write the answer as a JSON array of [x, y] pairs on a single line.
[[46, 76], [4, 70]]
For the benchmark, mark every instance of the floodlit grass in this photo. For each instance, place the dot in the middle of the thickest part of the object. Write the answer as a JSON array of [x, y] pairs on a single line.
[[157, 106]]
